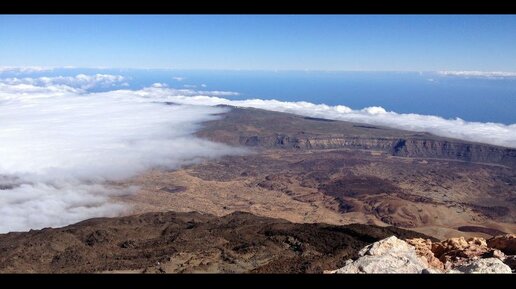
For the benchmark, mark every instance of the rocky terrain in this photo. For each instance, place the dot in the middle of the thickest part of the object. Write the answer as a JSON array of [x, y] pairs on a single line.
[[189, 242], [310, 170], [244, 243], [456, 255]]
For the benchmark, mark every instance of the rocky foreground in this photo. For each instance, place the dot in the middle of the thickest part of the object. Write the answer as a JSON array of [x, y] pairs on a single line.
[[240, 242], [455, 255], [189, 242]]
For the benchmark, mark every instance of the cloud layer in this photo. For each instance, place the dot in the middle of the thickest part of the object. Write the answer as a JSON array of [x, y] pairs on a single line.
[[80, 81], [24, 69], [59, 143], [479, 74], [490, 133]]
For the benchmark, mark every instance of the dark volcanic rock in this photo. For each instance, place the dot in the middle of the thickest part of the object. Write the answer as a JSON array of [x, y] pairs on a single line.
[[489, 231], [174, 189], [353, 186]]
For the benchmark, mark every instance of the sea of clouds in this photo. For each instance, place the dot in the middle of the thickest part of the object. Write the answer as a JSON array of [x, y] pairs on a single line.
[[60, 141], [490, 133]]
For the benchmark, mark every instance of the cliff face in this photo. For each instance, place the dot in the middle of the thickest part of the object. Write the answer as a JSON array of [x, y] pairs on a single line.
[[404, 147], [267, 129], [455, 150]]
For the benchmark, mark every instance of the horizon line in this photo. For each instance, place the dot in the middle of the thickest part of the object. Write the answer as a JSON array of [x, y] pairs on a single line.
[[37, 68]]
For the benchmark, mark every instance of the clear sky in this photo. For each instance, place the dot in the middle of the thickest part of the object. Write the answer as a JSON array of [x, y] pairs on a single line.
[[315, 42]]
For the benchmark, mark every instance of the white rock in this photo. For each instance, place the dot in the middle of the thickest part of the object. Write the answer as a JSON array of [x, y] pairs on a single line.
[[487, 265], [390, 255], [386, 246]]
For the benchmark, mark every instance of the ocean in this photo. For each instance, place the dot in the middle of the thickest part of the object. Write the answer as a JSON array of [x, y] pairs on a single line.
[[478, 99]]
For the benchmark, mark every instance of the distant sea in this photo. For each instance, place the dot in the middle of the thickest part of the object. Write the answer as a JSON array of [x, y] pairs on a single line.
[[479, 99]]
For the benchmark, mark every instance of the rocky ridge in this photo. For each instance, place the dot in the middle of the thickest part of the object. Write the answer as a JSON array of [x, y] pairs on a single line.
[[258, 128], [189, 242]]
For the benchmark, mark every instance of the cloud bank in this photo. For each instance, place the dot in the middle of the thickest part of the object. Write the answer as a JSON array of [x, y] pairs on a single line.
[[80, 81], [479, 74], [490, 133], [59, 143], [24, 69]]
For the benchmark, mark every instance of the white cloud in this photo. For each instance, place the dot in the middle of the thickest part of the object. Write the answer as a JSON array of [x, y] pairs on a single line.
[[159, 85], [59, 144], [217, 93], [41, 205], [479, 74], [80, 81], [178, 78], [189, 86], [187, 91], [24, 69]]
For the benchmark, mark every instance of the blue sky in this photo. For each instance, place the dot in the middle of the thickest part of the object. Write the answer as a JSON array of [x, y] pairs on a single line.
[[317, 42]]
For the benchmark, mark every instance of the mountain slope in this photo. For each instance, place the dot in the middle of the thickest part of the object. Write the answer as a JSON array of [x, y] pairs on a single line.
[[188, 242]]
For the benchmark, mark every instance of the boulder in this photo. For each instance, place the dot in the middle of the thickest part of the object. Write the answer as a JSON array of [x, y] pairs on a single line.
[[390, 255]]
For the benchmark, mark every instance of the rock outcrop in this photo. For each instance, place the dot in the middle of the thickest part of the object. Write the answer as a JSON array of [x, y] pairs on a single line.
[[455, 255], [390, 255], [424, 250], [458, 250]]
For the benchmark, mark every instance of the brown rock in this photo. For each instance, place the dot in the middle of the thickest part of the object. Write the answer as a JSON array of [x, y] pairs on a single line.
[[424, 250], [456, 251], [505, 243]]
